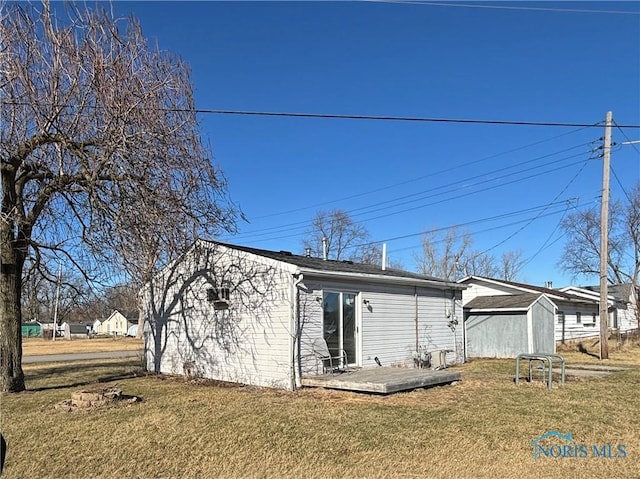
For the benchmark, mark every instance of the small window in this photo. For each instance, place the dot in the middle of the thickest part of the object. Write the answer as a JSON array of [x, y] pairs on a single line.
[[219, 296], [560, 316], [578, 317]]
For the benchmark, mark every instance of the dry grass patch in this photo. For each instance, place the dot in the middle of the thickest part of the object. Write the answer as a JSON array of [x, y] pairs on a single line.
[[37, 346], [622, 352], [481, 427]]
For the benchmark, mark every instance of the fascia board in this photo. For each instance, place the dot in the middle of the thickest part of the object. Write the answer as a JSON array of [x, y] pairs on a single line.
[[380, 279]]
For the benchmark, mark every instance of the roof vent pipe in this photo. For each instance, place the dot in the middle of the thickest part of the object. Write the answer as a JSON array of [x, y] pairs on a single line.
[[384, 256], [325, 253], [307, 252]]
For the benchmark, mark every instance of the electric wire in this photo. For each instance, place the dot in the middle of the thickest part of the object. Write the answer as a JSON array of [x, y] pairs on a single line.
[[486, 230], [260, 237], [562, 203], [506, 7], [525, 226], [615, 175], [337, 116], [420, 178], [426, 194]]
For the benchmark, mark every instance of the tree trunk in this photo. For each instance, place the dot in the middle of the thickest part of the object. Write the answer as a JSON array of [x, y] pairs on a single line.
[[11, 318]]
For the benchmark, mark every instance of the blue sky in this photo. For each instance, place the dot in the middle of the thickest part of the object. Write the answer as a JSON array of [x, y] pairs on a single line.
[[411, 59]]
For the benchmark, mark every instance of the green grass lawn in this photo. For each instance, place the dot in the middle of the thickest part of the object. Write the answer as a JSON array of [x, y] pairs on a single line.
[[481, 427]]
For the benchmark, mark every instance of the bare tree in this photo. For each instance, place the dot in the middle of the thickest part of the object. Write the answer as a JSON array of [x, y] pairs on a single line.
[[449, 256], [40, 297], [510, 264], [478, 263], [581, 255], [442, 256], [345, 239], [100, 153]]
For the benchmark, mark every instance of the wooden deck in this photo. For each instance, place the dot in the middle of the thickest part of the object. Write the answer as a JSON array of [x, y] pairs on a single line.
[[382, 380]]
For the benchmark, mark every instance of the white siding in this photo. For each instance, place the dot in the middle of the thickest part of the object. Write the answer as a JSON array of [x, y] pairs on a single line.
[[480, 288], [572, 329], [310, 305], [247, 343], [116, 324], [627, 318], [627, 314]]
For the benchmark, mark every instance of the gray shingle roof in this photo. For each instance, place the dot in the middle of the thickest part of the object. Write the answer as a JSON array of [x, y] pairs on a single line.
[[618, 291], [554, 293], [505, 301], [319, 264]]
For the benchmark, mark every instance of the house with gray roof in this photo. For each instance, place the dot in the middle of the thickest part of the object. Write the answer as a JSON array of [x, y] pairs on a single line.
[[254, 316], [505, 318], [623, 300]]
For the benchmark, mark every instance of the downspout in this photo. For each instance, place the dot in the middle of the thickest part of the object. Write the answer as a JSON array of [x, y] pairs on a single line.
[[415, 295], [530, 330], [296, 367]]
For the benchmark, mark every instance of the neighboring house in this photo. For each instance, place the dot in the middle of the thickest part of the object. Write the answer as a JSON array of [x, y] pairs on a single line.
[[622, 300], [96, 327], [31, 329], [70, 330], [252, 316], [132, 331], [574, 316], [117, 324]]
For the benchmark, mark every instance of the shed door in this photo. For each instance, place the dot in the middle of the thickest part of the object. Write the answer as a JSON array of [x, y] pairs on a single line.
[[339, 323]]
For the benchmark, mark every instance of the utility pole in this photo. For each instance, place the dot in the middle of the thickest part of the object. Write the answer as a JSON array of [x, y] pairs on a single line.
[[55, 306], [604, 239]]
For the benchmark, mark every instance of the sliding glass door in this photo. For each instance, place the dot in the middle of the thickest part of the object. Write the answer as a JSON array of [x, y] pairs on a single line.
[[339, 323]]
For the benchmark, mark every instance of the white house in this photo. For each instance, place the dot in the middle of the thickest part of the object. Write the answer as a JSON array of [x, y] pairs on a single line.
[[575, 316], [252, 316], [117, 324], [96, 327], [622, 303]]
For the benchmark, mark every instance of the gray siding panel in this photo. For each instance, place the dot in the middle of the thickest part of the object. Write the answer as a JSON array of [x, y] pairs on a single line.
[[496, 335], [543, 313], [387, 323]]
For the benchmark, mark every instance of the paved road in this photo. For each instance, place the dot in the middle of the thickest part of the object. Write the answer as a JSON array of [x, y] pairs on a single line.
[[48, 358]]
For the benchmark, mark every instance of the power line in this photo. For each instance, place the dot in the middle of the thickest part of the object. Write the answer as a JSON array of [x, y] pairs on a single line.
[[554, 199], [275, 230], [431, 193], [506, 7], [420, 178], [486, 230], [336, 116], [611, 167], [632, 143], [615, 175], [469, 223]]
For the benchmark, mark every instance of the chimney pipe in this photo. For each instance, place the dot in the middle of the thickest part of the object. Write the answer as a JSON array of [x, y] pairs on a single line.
[[384, 256], [324, 248]]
